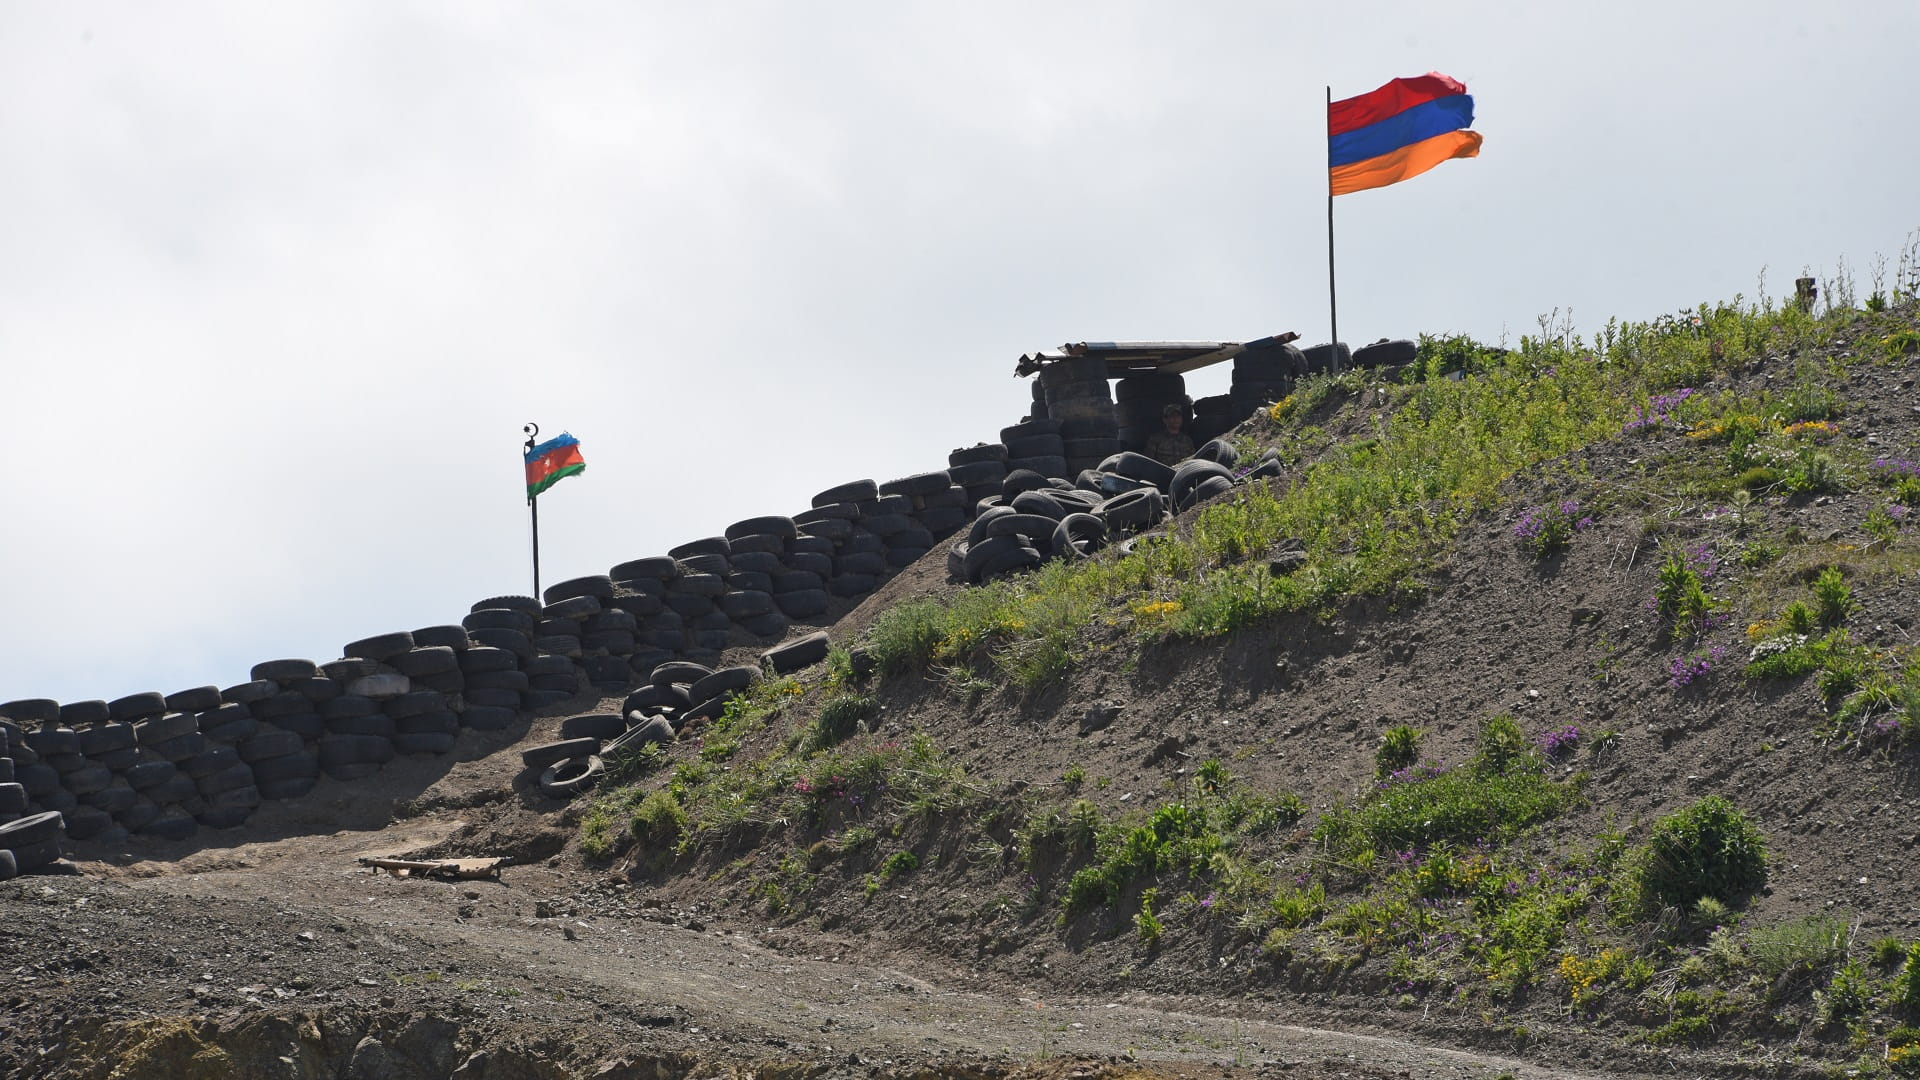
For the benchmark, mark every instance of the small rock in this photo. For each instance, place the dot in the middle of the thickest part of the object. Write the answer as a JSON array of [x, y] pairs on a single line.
[[1099, 717]]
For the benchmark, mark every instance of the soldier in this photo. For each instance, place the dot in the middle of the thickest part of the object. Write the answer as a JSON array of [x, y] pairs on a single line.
[[1171, 446]]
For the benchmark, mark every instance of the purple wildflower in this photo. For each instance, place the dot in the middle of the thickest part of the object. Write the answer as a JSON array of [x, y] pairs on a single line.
[[1686, 669]]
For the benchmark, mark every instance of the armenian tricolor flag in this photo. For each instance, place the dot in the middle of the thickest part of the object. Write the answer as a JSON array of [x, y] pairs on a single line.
[[1398, 132], [551, 461]]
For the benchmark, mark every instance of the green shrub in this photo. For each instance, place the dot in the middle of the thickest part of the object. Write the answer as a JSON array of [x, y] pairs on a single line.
[[1812, 943], [839, 719], [1904, 993], [659, 820], [905, 636], [1503, 746], [1399, 749], [1459, 807], [1834, 597], [1293, 907], [1707, 849]]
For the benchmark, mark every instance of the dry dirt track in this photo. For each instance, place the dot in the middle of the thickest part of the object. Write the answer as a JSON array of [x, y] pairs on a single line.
[[295, 924]]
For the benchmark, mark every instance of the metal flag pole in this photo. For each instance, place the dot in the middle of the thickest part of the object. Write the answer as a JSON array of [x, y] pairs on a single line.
[[533, 511], [1333, 304]]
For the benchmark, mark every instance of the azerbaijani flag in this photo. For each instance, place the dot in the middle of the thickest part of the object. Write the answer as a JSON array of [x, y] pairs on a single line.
[[551, 461], [1398, 132]]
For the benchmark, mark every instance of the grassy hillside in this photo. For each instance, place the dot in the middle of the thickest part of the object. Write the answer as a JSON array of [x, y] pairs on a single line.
[[1562, 696]]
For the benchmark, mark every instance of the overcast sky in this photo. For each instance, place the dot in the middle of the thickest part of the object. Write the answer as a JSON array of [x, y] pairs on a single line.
[[280, 283]]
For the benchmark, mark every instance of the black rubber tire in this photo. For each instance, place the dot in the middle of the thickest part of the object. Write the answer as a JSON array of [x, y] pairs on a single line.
[[772, 525], [1267, 468], [380, 646], [174, 824], [13, 800], [539, 757], [565, 779], [573, 607], [484, 658], [233, 777], [803, 603], [434, 637], [1132, 510], [151, 774], [861, 562], [1019, 480], [926, 483], [247, 693], [1049, 467], [155, 730], [1321, 359], [726, 680], [646, 730], [1385, 353], [75, 714], [106, 738], [415, 703], [1189, 473], [1220, 452], [527, 604], [138, 706], [427, 660], [9, 867], [30, 857], [851, 491], [498, 619], [650, 698], [197, 699], [707, 545], [339, 672], [678, 671], [1039, 503], [443, 722], [977, 454], [31, 711], [32, 829], [1029, 429], [1036, 527], [1210, 488], [600, 726], [1037, 446], [998, 555], [297, 765], [513, 642], [264, 746], [1079, 536], [800, 652], [598, 586], [338, 750], [741, 606], [657, 567]]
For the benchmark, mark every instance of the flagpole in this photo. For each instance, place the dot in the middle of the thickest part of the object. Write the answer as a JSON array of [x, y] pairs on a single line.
[[533, 511], [1333, 303]]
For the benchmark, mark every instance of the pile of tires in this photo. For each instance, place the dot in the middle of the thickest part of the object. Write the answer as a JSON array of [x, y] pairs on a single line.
[[1036, 518], [29, 840]]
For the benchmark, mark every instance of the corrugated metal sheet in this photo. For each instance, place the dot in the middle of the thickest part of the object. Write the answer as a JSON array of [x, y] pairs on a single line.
[[1126, 358]]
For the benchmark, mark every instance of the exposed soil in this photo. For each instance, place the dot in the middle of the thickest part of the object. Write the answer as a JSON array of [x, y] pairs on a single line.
[[269, 951]]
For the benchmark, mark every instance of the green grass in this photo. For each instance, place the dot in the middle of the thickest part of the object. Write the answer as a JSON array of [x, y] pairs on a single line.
[[1376, 512]]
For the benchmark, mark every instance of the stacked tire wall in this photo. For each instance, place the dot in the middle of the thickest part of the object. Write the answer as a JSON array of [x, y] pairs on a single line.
[[164, 766]]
